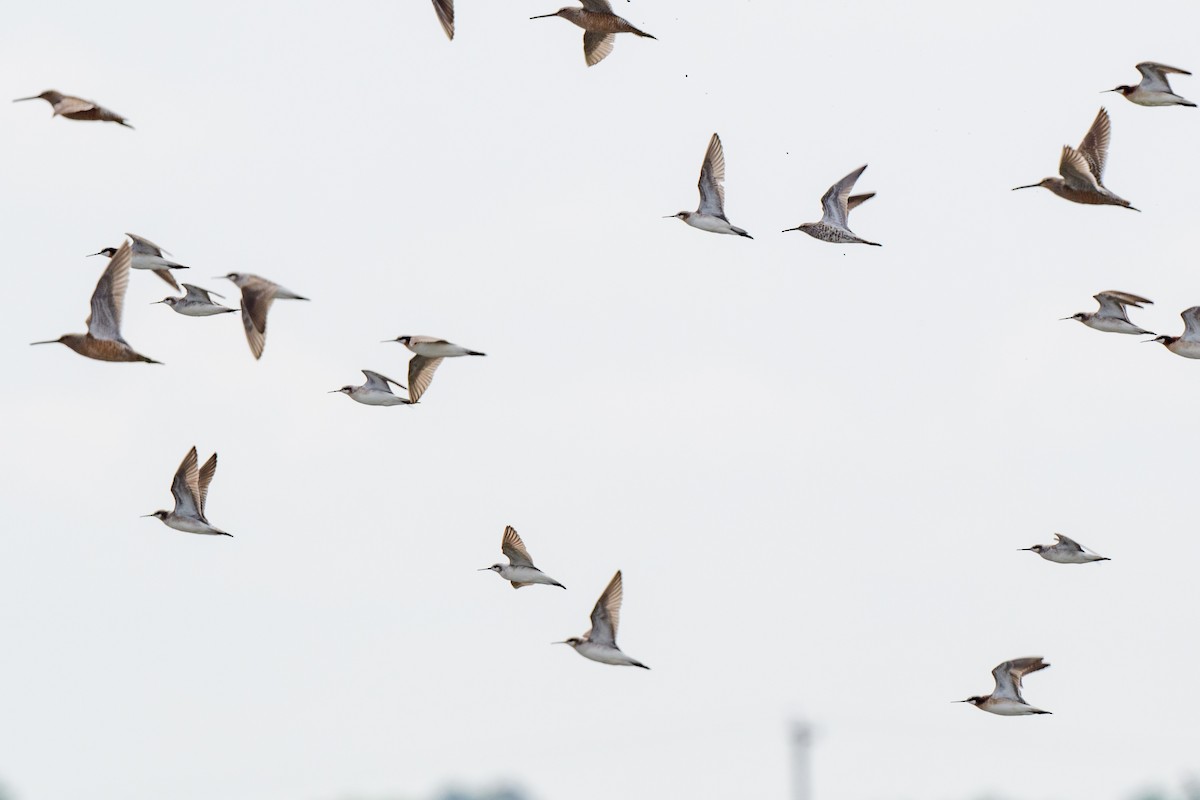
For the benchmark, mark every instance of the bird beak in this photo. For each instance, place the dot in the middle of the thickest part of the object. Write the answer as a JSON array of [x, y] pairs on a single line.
[[48, 341], [89, 255], [387, 341], [960, 701], [785, 230], [562, 642], [1020, 548], [19, 99], [1063, 319], [539, 16], [1030, 186], [145, 515], [1106, 91], [670, 216], [156, 302], [334, 391], [484, 569]]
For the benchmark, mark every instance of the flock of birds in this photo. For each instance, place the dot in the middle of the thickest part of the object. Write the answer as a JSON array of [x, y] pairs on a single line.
[[1081, 173]]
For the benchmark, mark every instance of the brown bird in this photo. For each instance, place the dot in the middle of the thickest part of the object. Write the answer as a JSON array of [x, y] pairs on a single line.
[[103, 341], [65, 105], [257, 296], [445, 12], [600, 26], [1082, 169]]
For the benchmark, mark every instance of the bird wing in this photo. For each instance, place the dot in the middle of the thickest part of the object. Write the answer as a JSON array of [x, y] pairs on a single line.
[[514, 549], [1154, 76], [856, 200], [166, 275], [206, 475], [1076, 171], [420, 375], [1068, 542], [1008, 676], [1094, 146], [380, 382], [73, 105], [597, 6], [606, 616], [836, 200], [108, 300], [144, 245], [1191, 319], [712, 180], [1112, 303], [185, 486], [597, 46], [196, 293], [256, 301], [445, 12]]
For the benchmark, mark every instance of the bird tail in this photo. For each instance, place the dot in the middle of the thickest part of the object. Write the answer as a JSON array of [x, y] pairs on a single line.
[[475, 353]]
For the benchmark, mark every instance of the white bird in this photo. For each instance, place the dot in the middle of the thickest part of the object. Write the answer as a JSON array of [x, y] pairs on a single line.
[[711, 214], [1154, 89], [1187, 345], [430, 351], [519, 571], [1112, 316], [1065, 551], [837, 204], [600, 642], [257, 296], [148, 255], [196, 303], [375, 392], [190, 488], [1006, 699]]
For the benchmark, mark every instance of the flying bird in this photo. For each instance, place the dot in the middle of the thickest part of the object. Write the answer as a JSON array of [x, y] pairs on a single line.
[[257, 296], [837, 204], [190, 488], [196, 303], [1112, 316], [148, 255], [1082, 169], [429, 354], [445, 13], [1065, 551], [1006, 699], [519, 571], [1187, 345], [600, 642], [600, 26], [103, 341], [375, 392], [710, 216], [1154, 90], [65, 105]]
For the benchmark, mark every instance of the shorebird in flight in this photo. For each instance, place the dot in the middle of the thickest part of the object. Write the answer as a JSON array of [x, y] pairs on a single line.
[[1006, 699], [600, 642], [103, 341], [1154, 90], [190, 488], [519, 571], [375, 392], [1188, 344], [1082, 169], [710, 216], [1112, 316], [1065, 551], [196, 303], [65, 105], [148, 255], [257, 296], [600, 27], [429, 351], [445, 13], [837, 204]]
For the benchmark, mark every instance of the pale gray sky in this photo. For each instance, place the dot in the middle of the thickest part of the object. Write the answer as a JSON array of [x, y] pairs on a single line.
[[815, 464]]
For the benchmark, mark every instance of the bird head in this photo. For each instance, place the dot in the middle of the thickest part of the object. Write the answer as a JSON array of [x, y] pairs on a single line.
[[157, 515], [972, 700], [346, 390], [1037, 548], [1163, 340], [493, 568], [404, 340], [574, 641], [683, 215], [49, 95], [236, 277], [171, 301], [1080, 316], [107, 252], [1125, 90]]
